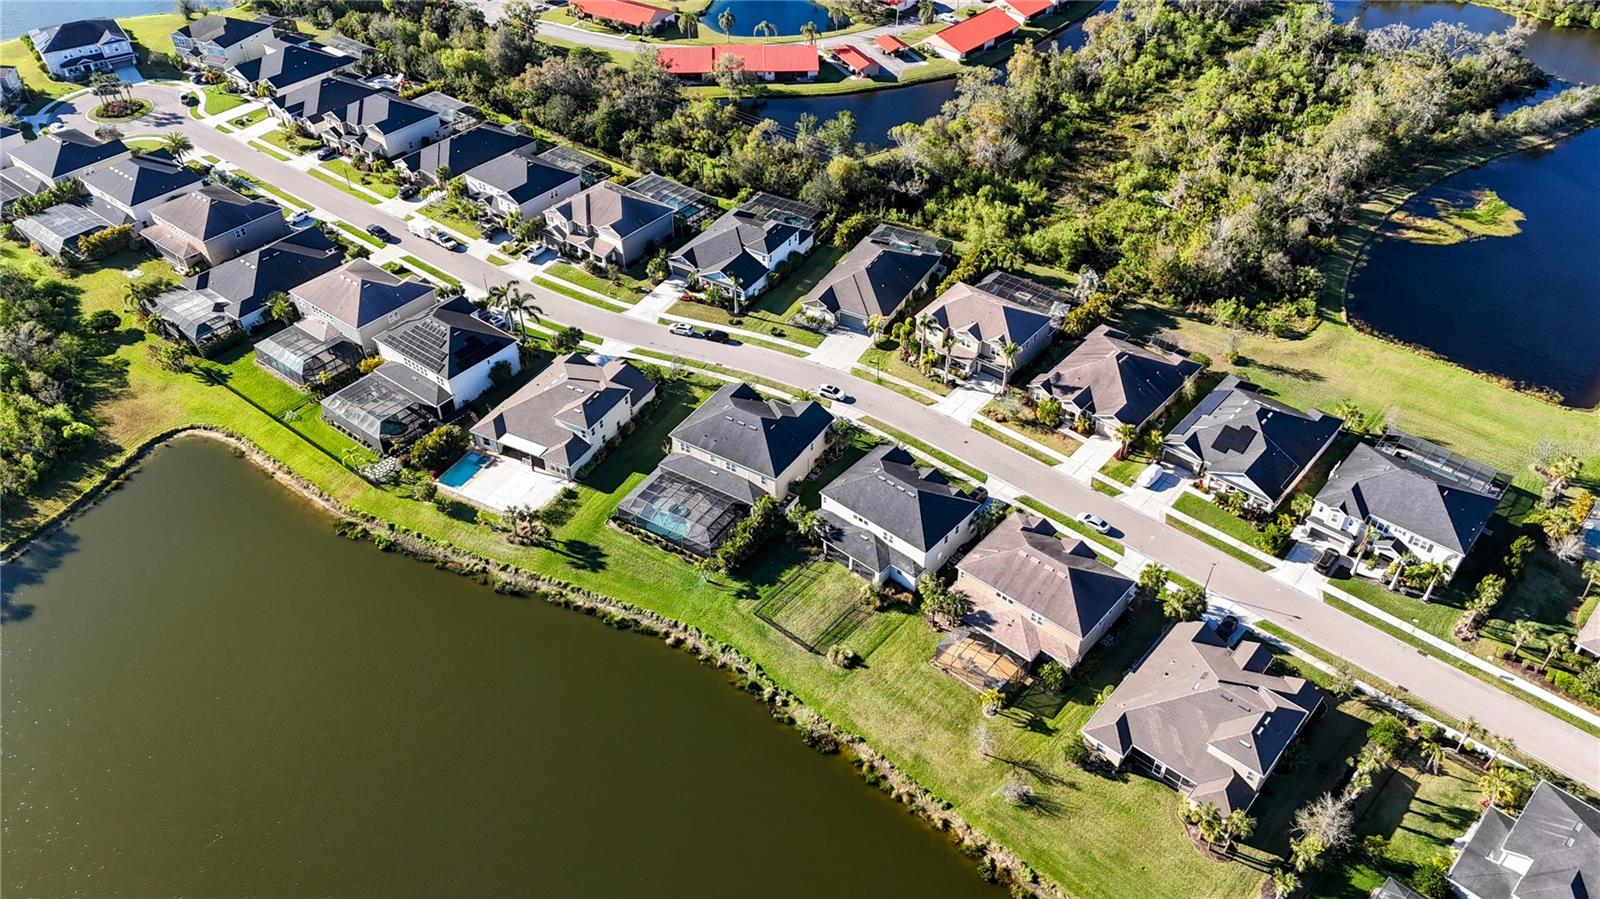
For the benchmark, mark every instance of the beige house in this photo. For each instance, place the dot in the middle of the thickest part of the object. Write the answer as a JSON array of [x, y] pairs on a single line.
[[767, 442]]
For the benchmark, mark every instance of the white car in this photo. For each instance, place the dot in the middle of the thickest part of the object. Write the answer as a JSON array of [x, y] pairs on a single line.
[[832, 392], [1152, 473], [682, 329], [444, 240], [299, 217], [1094, 523]]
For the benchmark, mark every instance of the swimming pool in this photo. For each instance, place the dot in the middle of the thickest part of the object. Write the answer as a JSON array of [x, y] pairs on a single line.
[[461, 472]]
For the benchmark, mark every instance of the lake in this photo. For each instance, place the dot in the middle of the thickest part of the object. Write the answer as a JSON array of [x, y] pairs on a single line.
[[1525, 307], [207, 692], [18, 17], [788, 16]]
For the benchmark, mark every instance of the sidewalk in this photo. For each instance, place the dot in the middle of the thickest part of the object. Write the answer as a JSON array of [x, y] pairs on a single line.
[[1089, 459], [963, 403], [656, 303]]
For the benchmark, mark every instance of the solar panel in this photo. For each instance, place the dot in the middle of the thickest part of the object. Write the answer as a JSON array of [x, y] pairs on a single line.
[[1025, 292], [1233, 439], [782, 209]]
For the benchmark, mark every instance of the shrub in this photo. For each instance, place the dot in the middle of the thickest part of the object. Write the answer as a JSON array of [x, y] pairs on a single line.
[[1052, 676], [370, 364], [842, 656], [102, 321], [1078, 753], [1390, 733], [105, 243], [439, 447], [1276, 538], [566, 339], [500, 373]]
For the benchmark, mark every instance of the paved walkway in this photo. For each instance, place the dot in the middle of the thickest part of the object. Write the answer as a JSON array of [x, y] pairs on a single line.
[[656, 303], [1455, 692]]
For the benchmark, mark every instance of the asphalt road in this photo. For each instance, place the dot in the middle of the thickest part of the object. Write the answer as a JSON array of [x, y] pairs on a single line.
[[1537, 733]]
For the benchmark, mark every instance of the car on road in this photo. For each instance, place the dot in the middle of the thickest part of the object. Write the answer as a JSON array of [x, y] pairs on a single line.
[[379, 231], [191, 100], [443, 240], [832, 392], [715, 336], [327, 153], [682, 329], [1326, 562], [1093, 522]]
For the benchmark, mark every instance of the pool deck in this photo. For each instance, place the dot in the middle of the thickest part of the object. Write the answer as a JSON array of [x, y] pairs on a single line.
[[503, 483]]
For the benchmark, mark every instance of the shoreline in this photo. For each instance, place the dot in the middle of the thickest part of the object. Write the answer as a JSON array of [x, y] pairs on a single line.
[[786, 707]]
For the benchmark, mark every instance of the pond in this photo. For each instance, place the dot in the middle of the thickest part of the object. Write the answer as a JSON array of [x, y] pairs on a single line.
[[787, 16], [206, 692], [1525, 307], [1568, 54]]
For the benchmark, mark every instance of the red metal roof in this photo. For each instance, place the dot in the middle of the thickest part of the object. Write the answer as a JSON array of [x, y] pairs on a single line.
[[1030, 8], [853, 57], [628, 12], [965, 37], [888, 43], [779, 59]]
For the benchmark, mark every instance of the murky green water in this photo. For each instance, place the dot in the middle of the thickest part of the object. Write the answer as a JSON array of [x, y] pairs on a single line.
[[208, 693]]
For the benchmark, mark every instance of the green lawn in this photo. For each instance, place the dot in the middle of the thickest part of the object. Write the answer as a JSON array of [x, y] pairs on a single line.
[[1222, 545], [1124, 471], [357, 233], [269, 151], [877, 377], [1207, 512], [817, 602], [748, 377], [625, 289], [299, 146], [889, 362], [431, 271], [1060, 441], [285, 196], [567, 290], [219, 98], [249, 118], [983, 426], [342, 170], [437, 212], [338, 181], [771, 311]]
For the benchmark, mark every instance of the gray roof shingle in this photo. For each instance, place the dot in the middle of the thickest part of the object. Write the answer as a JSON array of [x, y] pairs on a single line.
[[79, 33], [522, 176], [875, 278], [448, 340], [740, 425], [974, 311], [1371, 483], [1108, 374], [1237, 431], [572, 392], [1026, 559], [292, 64], [61, 153], [212, 210], [139, 179], [917, 504], [466, 150], [246, 282], [1557, 831], [224, 31]]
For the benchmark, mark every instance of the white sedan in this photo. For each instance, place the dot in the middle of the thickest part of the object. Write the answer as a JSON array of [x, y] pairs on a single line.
[[1094, 523], [681, 329], [832, 392]]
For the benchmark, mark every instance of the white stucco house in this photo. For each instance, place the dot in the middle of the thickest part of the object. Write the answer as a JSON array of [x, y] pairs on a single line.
[[75, 50]]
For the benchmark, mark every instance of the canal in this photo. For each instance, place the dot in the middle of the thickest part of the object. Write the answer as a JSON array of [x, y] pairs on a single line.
[[206, 692]]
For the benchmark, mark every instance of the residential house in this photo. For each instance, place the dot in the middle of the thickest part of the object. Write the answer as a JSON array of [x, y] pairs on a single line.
[[1202, 717], [218, 42], [608, 223], [212, 224], [881, 274], [739, 252], [892, 45], [523, 183], [560, 420], [461, 152], [625, 14], [287, 67], [235, 295], [1549, 851], [1037, 591], [1424, 502], [972, 329], [735, 448], [1025, 11], [309, 351], [457, 115], [362, 301], [78, 49], [379, 125], [1238, 440], [888, 518], [763, 62], [129, 187], [387, 408], [55, 156], [308, 103], [1588, 639], [974, 35], [12, 90], [856, 60], [1115, 381], [452, 348]]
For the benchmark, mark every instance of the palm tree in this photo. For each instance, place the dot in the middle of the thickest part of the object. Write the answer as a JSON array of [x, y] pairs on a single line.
[[689, 24], [725, 21], [1207, 821], [520, 306], [1557, 642], [1008, 353], [179, 145], [1501, 785], [1471, 730], [875, 323], [925, 12], [765, 28], [1433, 754], [1126, 433], [1284, 882], [809, 32], [1236, 826], [1591, 576], [736, 292], [1521, 632]]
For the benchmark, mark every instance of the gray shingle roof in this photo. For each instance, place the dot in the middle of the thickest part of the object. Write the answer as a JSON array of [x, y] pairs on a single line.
[[62, 153], [326, 94], [572, 390], [1235, 430], [764, 435], [611, 206], [875, 278], [729, 244], [359, 293], [1191, 695], [1110, 375], [138, 179], [522, 176], [80, 33], [971, 310], [467, 150], [448, 340], [212, 210], [224, 31], [292, 64], [246, 282], [1558, 831], [382, 111], [917, 504], [1026, 559], [1371, 483]]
